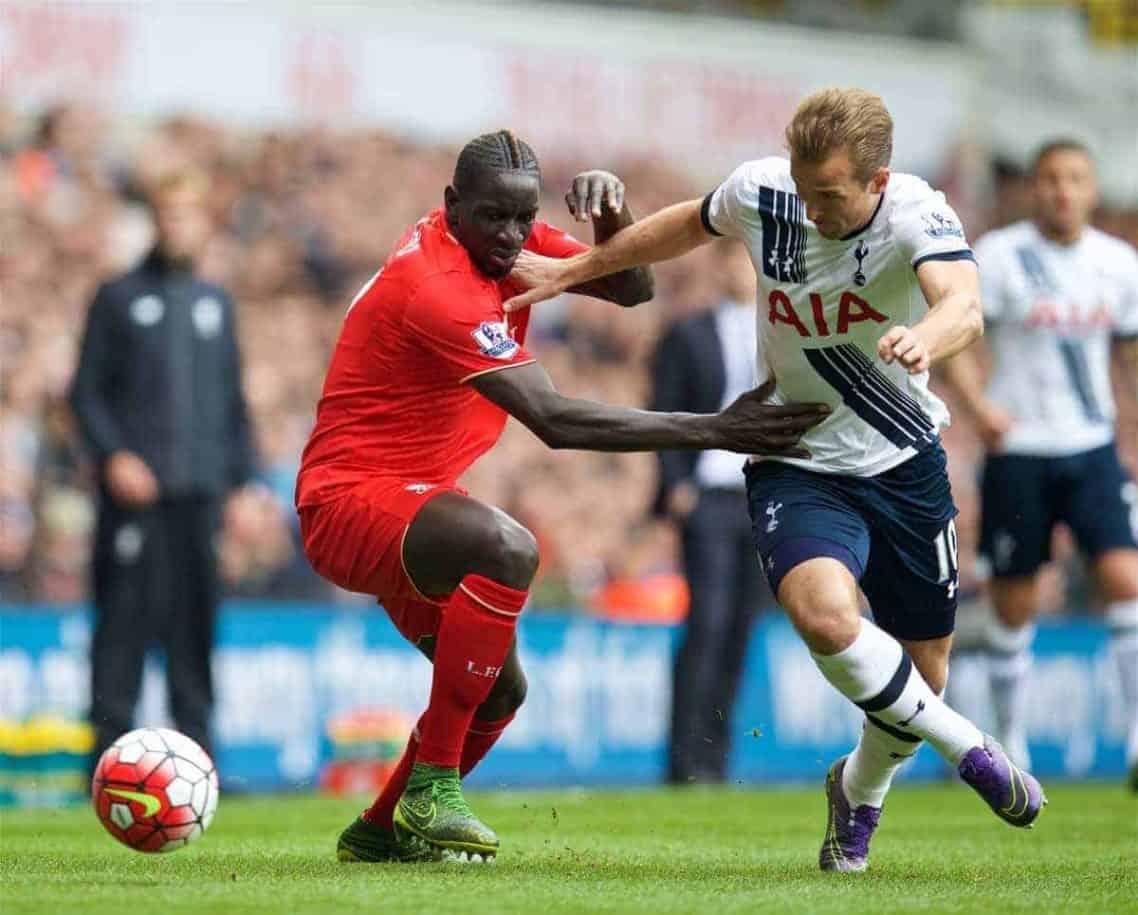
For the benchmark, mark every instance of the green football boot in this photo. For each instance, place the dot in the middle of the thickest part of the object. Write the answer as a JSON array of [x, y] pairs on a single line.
[[365, 842], [434, 813]]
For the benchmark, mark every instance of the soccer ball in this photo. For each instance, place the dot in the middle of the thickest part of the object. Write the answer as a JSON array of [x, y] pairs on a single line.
[[155, 790]]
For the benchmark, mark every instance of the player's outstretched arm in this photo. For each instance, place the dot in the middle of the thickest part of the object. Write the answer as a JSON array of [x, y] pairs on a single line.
[[955, 318], [748, 426], [599, 196], [665, 234]]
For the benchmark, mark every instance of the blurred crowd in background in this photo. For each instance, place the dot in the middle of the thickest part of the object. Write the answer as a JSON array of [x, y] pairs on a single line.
[[303, 219]]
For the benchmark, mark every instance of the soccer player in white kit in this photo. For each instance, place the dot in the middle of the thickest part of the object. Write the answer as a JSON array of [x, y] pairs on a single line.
[[865, 280], [1058, 295]]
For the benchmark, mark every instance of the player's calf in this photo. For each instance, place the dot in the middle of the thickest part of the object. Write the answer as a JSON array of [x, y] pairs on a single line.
[[508, 693], [495, 714]]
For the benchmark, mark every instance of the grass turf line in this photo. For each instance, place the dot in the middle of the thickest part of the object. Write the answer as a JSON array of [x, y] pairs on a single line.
[[660, 851]]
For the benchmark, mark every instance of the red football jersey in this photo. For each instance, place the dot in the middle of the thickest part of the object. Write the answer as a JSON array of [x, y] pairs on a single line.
[[395, 402]]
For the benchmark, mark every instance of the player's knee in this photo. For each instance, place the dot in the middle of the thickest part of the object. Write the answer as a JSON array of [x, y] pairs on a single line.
[[514, 695], [828, 630], [1117, 574], [829, 623], [1015, 600], [515, 554], [1016, 614], [823, 607]]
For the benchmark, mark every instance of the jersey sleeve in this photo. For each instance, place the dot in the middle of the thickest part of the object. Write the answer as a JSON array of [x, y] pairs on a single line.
[[993, 285], [735, 203], [463, 328], [552, 242], [927, 228]]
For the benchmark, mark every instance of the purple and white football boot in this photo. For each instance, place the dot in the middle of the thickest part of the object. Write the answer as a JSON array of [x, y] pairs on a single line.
[[1015, 796], [848, 829]]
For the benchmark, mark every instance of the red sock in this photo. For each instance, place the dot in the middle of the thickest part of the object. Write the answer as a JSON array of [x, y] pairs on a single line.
[[479, 739], [474, 638], [380, 812]]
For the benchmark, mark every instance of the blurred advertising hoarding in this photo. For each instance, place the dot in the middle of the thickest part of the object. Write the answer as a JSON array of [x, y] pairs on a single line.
[[598, 702], [600, 83]]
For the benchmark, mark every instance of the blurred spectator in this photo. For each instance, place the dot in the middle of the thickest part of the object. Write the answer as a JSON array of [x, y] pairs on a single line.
[[703, 364], [157, 394]]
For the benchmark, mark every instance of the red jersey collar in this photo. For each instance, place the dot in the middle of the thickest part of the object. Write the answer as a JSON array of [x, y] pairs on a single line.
[[437, 218]]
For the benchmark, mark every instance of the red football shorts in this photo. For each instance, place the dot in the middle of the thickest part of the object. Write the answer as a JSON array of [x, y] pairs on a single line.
[[356, 542]]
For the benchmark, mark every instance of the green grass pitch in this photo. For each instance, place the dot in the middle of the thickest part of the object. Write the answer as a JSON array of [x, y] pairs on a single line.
[[659, 851]]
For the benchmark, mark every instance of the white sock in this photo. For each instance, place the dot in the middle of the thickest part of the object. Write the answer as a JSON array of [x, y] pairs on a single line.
[[877, 675], [880, 752], [1008, 650], [1122, 618]]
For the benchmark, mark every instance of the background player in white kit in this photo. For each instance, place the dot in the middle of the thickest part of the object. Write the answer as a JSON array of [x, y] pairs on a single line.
[[865, 279], [1057, 294]]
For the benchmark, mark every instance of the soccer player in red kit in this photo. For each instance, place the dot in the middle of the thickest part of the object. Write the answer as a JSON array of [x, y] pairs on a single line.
[[425, 371]]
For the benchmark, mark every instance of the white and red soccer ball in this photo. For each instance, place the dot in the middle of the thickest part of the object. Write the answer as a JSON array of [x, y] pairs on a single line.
[[155, 790]]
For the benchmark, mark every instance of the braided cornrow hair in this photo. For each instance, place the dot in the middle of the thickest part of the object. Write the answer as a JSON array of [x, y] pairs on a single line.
[[499, 151]]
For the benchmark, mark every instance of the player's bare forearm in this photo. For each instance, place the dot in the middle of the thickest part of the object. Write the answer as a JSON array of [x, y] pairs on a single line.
[[748, 426], [663, 235], [567, 422], [628, 287], [527, 393], [951, 325], [667, 233], [954, 319]]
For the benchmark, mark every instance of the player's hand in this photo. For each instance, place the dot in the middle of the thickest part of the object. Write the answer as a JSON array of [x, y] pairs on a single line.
[[130, 480], [993, 424], [592, 192], [751, 426], [545, 277], [904, 345]]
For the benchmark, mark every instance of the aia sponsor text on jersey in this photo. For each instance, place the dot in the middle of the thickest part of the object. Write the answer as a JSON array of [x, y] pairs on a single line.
[[1071, 318], [852, 309]]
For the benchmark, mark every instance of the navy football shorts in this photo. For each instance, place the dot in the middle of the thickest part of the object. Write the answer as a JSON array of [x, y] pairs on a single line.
[[894, 532], [1022, 498]]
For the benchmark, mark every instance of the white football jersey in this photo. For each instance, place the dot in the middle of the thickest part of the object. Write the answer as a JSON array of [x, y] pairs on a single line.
[[1051, 311], [824, 304]]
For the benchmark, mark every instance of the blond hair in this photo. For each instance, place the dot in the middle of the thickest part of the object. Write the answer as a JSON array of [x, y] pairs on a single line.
[[833, 120], [192, 181]]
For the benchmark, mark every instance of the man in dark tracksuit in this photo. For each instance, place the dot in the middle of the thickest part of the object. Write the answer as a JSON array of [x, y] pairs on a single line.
[[157, 394], [703, 362]]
